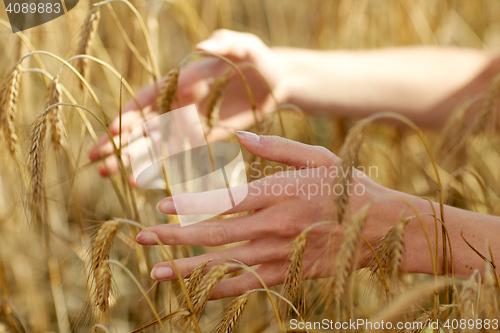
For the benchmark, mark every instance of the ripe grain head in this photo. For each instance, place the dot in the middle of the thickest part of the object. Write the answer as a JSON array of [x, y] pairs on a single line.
[[230, 320], [56, 120], [169, 90], [216, 97], [348, 158], [9, 99], [87, 33]]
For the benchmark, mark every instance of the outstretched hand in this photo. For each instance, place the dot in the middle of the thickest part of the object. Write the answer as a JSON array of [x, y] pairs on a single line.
[[282, 205], [194, 86]]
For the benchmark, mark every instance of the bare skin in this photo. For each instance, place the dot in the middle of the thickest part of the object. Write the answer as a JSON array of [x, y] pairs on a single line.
[[276, 220], [424, 84]]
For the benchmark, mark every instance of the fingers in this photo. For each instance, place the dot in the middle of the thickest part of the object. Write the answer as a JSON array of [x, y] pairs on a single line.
[[209, 233], [271, 274], [164, 272], [235, 45], [278, 149]]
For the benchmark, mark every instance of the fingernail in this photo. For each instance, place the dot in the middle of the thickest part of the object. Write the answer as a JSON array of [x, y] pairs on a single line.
[[162, 273], [208, 45], [166, 206], [145, 237], [248, 136]]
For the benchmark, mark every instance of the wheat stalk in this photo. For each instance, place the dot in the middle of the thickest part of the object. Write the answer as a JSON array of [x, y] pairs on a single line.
[[57, 127], [9, 97], [228, 323], [88, 31], [169, 90]]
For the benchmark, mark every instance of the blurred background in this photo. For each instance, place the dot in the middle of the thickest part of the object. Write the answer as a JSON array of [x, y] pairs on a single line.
[[45, 286]]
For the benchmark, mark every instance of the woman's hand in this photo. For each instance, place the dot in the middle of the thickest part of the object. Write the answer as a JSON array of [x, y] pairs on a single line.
[[283, 205], [194, 88]]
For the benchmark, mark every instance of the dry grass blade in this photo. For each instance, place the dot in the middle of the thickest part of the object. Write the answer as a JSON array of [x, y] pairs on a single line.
[[9, 96], [215, 98], [36, 165], [88, 31], [228, 323], [178, 312], [295, 270], [57, 127], [169, 90], [348, 156]]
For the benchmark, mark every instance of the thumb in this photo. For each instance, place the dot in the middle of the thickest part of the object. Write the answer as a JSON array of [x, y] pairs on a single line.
[[237, 46], [281, 150]]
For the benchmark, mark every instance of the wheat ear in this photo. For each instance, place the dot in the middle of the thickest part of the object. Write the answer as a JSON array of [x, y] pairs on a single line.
[[348, 158], [228, 323], [391, 248], [102, 287], [345, 256], [215, 98], [488, 114], [9, 99], [169, 90], [100, 268], [204, 289], [490, 301], [36, 165], [295, 269], [56, 120], [88, 31], [468, 296]]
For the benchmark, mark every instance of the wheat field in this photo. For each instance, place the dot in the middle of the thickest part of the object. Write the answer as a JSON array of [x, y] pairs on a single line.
[[68, 257]]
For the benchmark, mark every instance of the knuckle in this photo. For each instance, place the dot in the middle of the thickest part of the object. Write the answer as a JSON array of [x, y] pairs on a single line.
[[221, 33], [216, 235], [287, 229], [169, 236], [325, 155]]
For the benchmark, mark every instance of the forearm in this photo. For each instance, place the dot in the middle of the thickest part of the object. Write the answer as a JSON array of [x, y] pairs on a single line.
[[475, 227], [422, 83]]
